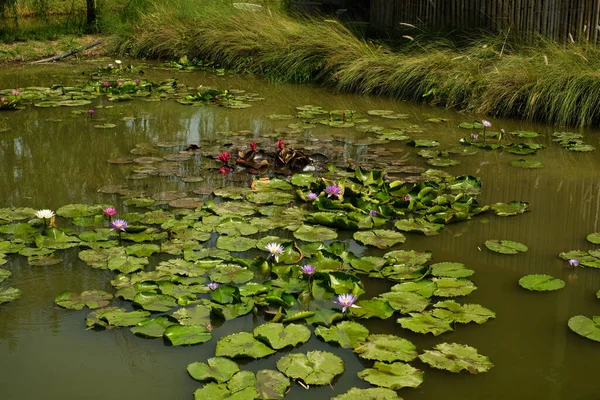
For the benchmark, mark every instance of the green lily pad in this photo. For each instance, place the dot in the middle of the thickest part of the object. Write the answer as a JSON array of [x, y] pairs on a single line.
[[153, 328], [406, 302], [425, 288], [120, 317], [324, 316], [348, 334], [90, 298], [442, 162], [456, 357], [425, 323], [230, 273], [4, 273], [242, 384], [314, 233], [9, 294], [314, 367], [407, 257], [393, 376], [584, 326], [219, 369], [541, 283], [387, 348], [242, 344], [367, 264], [154, 301], [271, 385], [231, 311], [235, 243], [450, 270], [213, 391], [451, 287], [79, 210], [419, 225], [368, 394], [423, 143], [271, 197], [530, 164], [380, 238], [180, 335], [236, 227], [594, 238], [142, 250], [505, 246], [508, 209], [526, 134], [373, 308], [126, 264], [278, 336], [197, 315], [462, 313]]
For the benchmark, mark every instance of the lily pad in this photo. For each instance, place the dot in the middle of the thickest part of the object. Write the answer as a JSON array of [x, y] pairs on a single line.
[[314, 233], [348, 334], [368, 394], [406, 302], [373, 308], [508, 209], [153, 328], [90, 298], [242, 344], [456, 357], [418, 225], [314, 367], [231, 273], [393, 376], [235, 243], [594, 238], [541, 283], [387, 348], [278, 336], [462, 313], [426, 323], [505, 246], [4, 273], [525, 134], [197, 315], [120, 317], [450, 270], [584, 326], [154, 301], [219, 369], [9, 294], [271, 385], [380, 238], [180, 335], [451, 287], [530, 164]]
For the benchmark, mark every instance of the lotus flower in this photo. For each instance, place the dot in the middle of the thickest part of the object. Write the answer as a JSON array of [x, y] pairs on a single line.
[[253, 146], [333, 190], [308, 269], [312, 195], [573, 262], [109, 211], [486, 123], [213, 285], [346, 301], [118, 224], [275, 249], [280, 144], [224, 157], [373, 213], [44, 214]]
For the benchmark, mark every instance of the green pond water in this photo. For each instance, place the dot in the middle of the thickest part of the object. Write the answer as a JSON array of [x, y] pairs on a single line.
[[50, 157]]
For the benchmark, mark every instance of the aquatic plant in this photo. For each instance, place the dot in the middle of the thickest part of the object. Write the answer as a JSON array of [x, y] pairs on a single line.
[[275, 250], [333, 191], [308, 269], [346, 301], [573, 262], [109, 212], [45, 215], [223, 157]]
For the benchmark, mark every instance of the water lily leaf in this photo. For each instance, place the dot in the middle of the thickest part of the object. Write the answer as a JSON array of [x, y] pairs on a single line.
[[594, 238], [312, 233], [581, 147], [236, 227], [233, 193], [380, 238], [43, 260], [505, 246], [401, 272], [425, 323], [584, 326], [226, 294], [212, 391], [97, 235], [79, 210], [368, 394], [508, 209], [525, 134], [271, 384], [126, 264], [153, 328], [469, 125], [298, 316], [235, 208], [278, 336], [423, 143], [314, 367], [240, 382], [406, 302], [373, 308], [418, 225], [7, 247], [541, 283], [197, 315], [180, 335], [120, 317], [154, 301], [530, 164], [387, 348], [451, 287], [220, 369], [407, 257], [56, 239], [263, 198], [19, 230], [393, 376], [9, 294], [450, 270], [324, 316], [235, 243], [367, 264], [456, 357], [303, 180], [464, 313], [231, 311], [242, 344], [90, 298], [16, 214], [442, 162], [142, 250], [4, 273], [348, 334], [230, 273]]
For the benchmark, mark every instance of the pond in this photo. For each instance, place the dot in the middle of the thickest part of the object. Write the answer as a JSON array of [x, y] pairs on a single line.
[[52, 157]]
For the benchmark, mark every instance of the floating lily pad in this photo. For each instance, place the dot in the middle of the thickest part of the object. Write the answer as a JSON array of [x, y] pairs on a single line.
[[278, 336], [271, 385], [142, 250], [393, 376], [525, 134], [442, 162], [314, 367], [386, 348], [380, 238], [9, 294], [450, 270], [219, 369], [368, 394], [242, 344], [180, 335], [406, 302], [373, 308], [347, 334], [594, 238], [235, 243], [505, 246], [153, 328], [105, 126], [584, 326], [423, 143], [541, 283], [451, 287], [154, 301], [197, 315], [462, 313], [426, 323], [314, 233], [212, 390], [4, 273], [531, 164], [508, 209], [231, 273], [126, 264], [90, 298], [418, 225], [456, 357], [120, 317]]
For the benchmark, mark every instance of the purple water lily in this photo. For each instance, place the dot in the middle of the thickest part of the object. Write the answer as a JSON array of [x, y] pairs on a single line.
[[346, 301], [333, 190], [573, 262], [373, 213], [213, 285], [474, 136], [486, 123], [118, 224], [312, 195], [308, 269]]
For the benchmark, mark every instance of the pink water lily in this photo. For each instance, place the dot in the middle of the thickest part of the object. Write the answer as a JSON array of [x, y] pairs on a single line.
[[106, 84], [110, 211], [312, 196], [224, 170], [213, 285], [308, 269], [486, 123], [346, 301], [333, 190], [223, 157], [280, 144]]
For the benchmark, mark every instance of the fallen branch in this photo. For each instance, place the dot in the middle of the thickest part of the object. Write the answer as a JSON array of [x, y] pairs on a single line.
[[70, 52]]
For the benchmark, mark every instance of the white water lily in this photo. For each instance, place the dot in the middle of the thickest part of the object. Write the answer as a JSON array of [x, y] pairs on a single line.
[[275, 249], [118, 61], [44, 214]]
